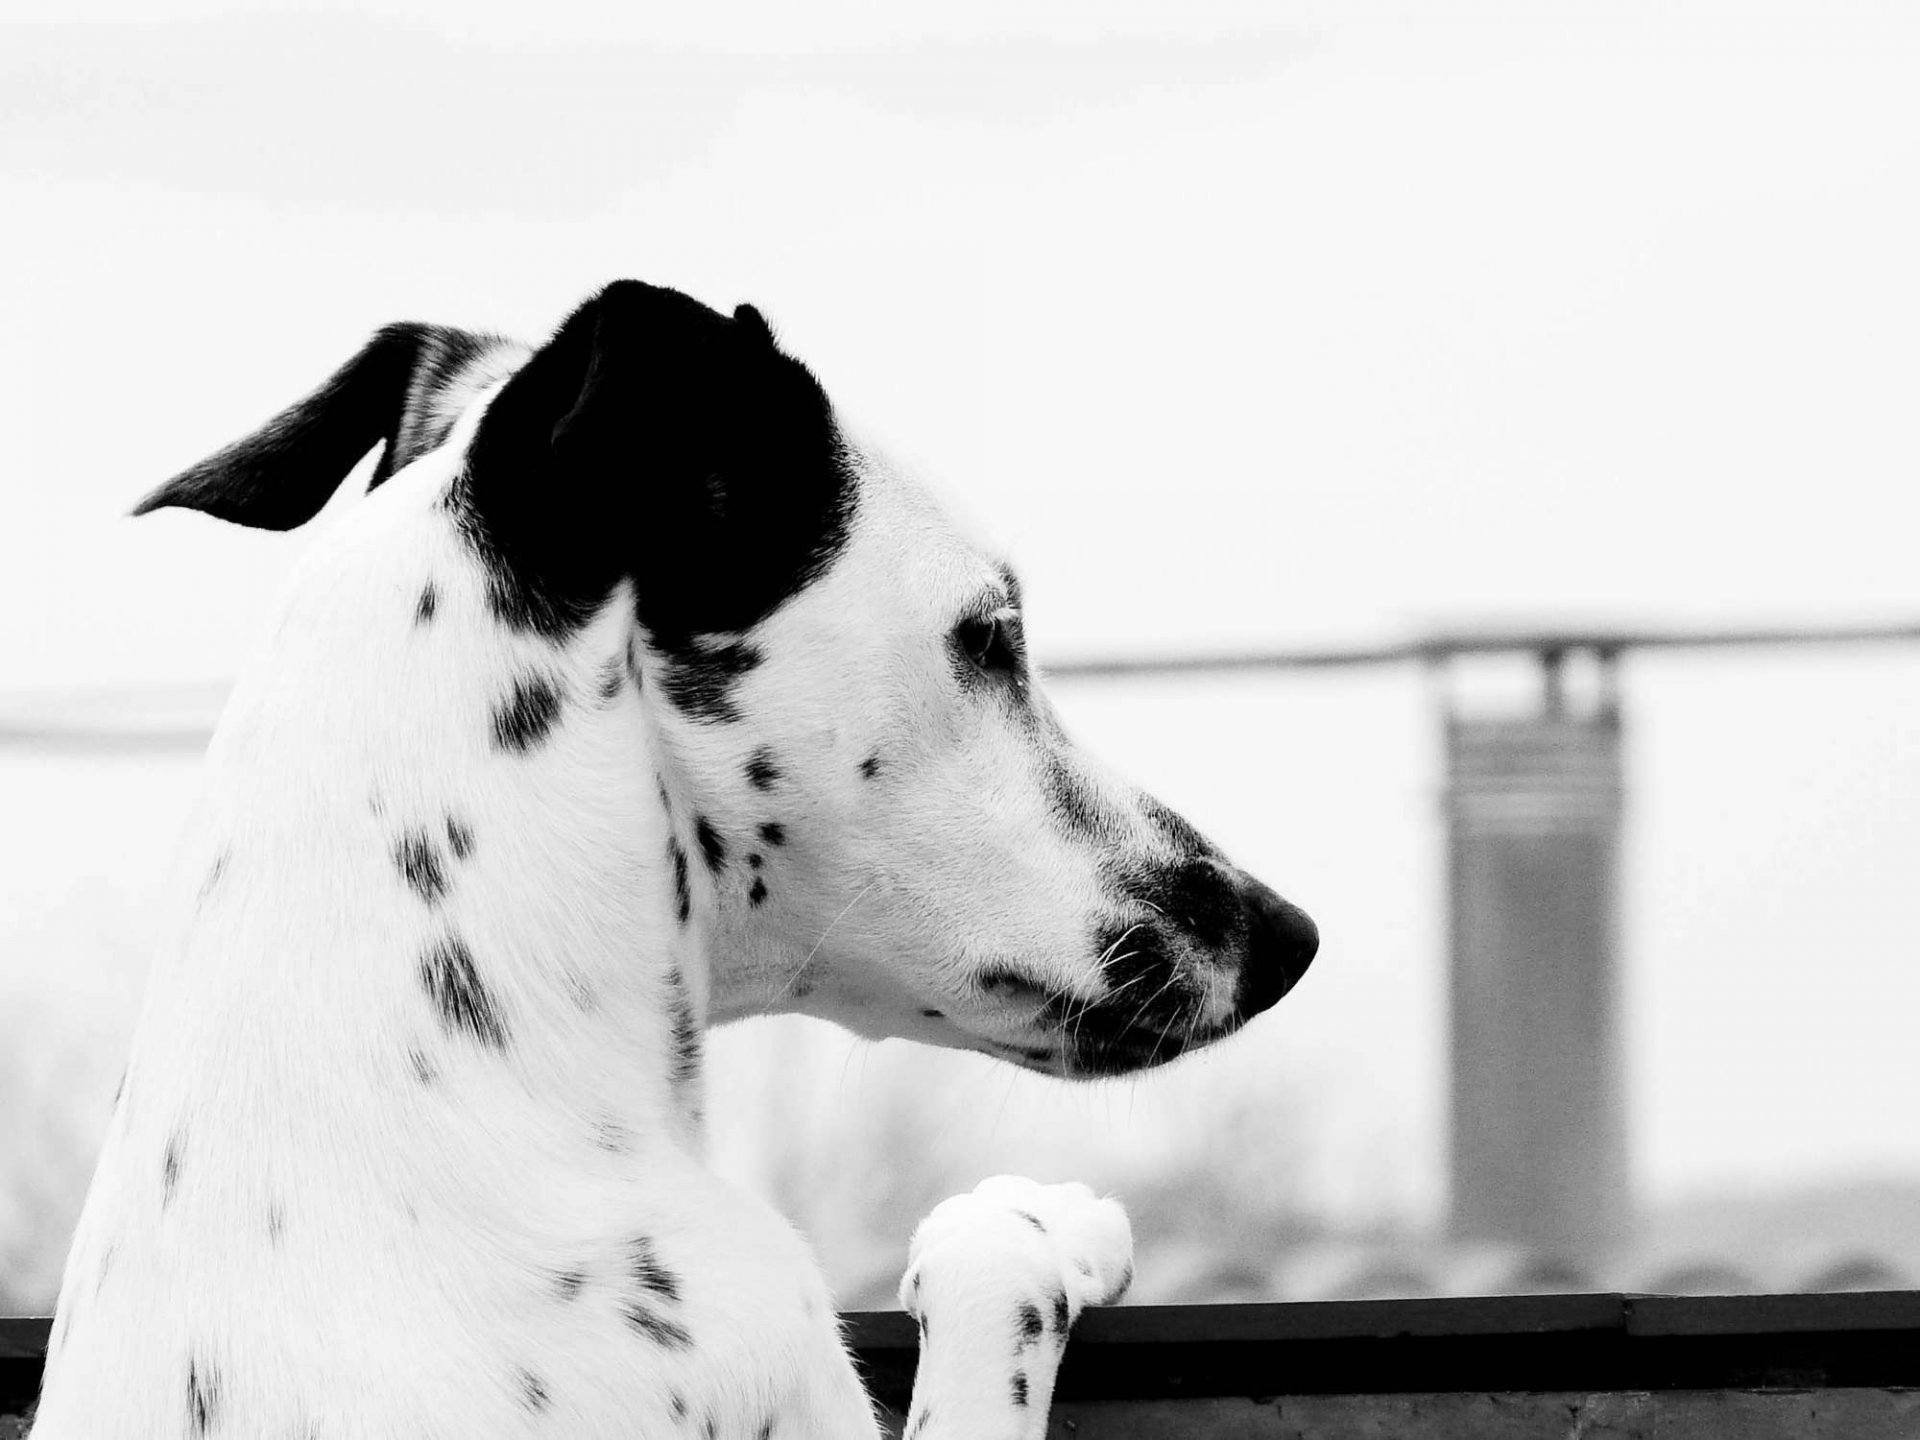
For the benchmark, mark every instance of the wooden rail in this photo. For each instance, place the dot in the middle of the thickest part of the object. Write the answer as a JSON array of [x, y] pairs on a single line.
[[1629, 1367]]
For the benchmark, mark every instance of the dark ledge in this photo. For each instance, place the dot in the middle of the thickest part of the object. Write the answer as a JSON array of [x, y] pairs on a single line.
[[1508, 1344]]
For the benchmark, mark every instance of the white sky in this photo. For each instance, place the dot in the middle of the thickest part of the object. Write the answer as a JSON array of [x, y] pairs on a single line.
[[1237, 323]]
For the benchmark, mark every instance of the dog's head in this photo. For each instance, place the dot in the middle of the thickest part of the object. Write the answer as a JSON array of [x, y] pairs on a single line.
[[876, 815]]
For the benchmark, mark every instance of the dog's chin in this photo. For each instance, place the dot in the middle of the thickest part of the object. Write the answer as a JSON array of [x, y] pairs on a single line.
[[1093, 1056]]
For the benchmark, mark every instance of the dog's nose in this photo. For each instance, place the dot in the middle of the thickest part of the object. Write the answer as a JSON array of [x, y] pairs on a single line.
[[1281, 942]]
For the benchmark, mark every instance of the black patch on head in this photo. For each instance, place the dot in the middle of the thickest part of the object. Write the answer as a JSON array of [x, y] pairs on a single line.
[[1020, 1388], [1071, 799], [758, 892], [643, 1262], [170, 1166], [429, 602], [279, 476], [1032, 1327], [701, 681], [459, 838], [1033, 1220], [423, 1069], [1062, 1313], [276, 1222], [613, 679], [774, 833], [669, 1334], [657, 440], [523, 719], [418, 859], [762, 773], [712, 848], [870, 767], [682, 898], [567, 1284], [533, 1392], [203, 1396], [465, 1005]]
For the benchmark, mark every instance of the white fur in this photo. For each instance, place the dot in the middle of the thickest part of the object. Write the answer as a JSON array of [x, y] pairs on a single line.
[[348, 1249]]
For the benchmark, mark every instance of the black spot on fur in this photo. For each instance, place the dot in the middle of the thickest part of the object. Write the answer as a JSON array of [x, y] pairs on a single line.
[[1033, 1220], [429, 602], [677, 1403], [613, 679], [214, 872], [1062, 1313], [669, 1334], [643, 1261], [762, 773], [533, 1392], [774, 833], [710, 1427], [203, 1397], [1175, 830], [682, 897], [418, 859], [465, 1005], [766, 1431], [870, 767], [276, 1222], [524, 718], [1032, 1327], [423, 1068], [686, 1031], [658, 440], [934, 1014], [568, 1283], [757, 893], [613, 1137], [1071, 799], [459, 838], [755, 861], [170, 1167], [712, 848], [1020, 1388], [701, 682]]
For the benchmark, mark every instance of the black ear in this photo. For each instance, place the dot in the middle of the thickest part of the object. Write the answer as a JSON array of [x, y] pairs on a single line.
[[279, 476], [657, 439]]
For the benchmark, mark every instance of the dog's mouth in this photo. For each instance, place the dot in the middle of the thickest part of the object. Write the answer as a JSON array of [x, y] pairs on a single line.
[[1167, 985]]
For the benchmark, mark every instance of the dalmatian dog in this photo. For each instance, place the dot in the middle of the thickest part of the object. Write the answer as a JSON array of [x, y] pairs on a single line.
[[635, 697]]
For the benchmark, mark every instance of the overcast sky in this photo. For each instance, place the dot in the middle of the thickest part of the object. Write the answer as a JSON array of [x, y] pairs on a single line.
[[1239, 323]]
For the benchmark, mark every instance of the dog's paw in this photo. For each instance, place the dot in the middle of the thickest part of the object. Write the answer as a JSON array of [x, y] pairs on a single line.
[[1031, 1243]]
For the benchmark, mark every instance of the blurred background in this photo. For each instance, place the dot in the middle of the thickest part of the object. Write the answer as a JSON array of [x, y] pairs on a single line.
[[1466, 344]]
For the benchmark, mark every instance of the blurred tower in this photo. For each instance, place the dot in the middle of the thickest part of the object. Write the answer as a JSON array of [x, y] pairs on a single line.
[[1538, 1135]]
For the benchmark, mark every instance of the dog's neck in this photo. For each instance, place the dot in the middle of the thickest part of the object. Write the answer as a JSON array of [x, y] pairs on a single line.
[[430, 855]]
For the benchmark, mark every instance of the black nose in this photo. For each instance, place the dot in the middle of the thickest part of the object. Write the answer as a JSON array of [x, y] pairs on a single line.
[[1281, 942]]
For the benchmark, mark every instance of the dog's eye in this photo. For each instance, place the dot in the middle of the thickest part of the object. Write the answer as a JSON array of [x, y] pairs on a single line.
[[990, 642]]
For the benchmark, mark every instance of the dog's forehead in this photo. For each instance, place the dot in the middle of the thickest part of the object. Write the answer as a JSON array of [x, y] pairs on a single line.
[[919, 531]]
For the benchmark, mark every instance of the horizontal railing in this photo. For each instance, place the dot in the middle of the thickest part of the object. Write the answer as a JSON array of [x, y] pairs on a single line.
[[1812, 1367]]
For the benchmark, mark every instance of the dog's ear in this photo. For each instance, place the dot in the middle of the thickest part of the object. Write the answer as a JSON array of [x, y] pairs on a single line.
[[658, 439], [278, 477]]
